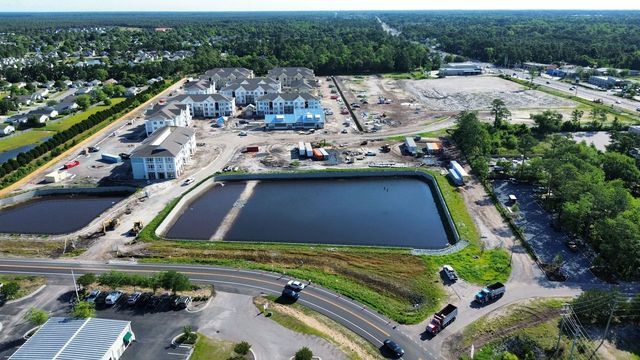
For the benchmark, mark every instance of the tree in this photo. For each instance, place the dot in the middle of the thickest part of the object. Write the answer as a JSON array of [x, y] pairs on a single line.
[[547, 122], [83, 101], [174, 281], [500, 112], [37, 317], [10, 289], [51, 102], [83, 310], [242, 348], [576, 116], [619, 166], [304, 354], [188, 335], [471, 136], [87, 279], [526, 144], [113, 279]]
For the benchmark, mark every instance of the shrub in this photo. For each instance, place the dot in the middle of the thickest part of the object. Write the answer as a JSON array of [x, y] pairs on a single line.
[[188, 336], [242, 348], [11, 289], [83, 310], [304, 354], [37, 317], [86, 279]]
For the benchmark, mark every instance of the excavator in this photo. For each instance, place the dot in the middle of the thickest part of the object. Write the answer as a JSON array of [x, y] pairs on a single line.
[[137, 227]]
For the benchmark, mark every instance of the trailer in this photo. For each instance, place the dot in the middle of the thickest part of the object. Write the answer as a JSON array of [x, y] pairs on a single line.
[[490, 293], [325, 153], [317, 154], [302, 152], [308, 150], [110, 158], [250, 149], [71, 164], [442, 318]]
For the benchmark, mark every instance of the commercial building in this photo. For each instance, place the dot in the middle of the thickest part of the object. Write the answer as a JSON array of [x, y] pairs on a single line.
[[606, 82], [164, 154], [300, 119], [460, 69], [286, 103], [222, 76], [247, 91], [208, 106], [199, 87], [77, 339], [288, 75], [170, 114]]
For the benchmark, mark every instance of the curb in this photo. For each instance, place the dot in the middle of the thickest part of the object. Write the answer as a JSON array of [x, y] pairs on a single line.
[[32, 330], [202, 308], [253, 354], [27, 296]]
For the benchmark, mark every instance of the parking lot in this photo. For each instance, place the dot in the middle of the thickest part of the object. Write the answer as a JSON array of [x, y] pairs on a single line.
[[546, 241]]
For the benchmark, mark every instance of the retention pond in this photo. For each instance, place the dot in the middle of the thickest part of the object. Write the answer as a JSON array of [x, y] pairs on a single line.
[[371, 211], [55, 214]]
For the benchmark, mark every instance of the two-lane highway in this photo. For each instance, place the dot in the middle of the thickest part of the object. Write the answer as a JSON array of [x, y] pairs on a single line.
[[367, 323]]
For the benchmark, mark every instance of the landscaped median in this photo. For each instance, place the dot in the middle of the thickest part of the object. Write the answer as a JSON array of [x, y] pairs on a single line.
[[402, 286]]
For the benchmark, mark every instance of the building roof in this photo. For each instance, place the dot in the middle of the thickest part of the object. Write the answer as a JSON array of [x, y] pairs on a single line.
[[165, 142], [167, 111], [287, 96], [72, 339], [299, 116], [4, 126], [291, 71], [46, 110], [198, 85], [302, 85], [226, 72], [252, 84], [197, 98]]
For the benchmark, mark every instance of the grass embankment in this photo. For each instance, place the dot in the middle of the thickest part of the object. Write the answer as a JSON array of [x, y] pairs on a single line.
[[426, 134], [414, 75], [390, 280], [69, 121], [306, 321], [22, 139], [27, 283], [210, 349], [30, 248]]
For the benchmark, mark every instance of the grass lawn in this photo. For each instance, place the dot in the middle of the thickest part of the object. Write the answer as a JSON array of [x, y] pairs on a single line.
[[28, 284], [414, 75], [23, 139], [69, 121], [389, 280], [210, 349], [426, 134]]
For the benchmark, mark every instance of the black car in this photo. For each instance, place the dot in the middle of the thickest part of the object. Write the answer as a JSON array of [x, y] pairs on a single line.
[[181, 302], [393, 347], [144, 299], [290, 294], [125, 156]]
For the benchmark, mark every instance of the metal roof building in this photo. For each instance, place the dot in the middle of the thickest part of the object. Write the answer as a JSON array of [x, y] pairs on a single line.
[[77, 339]]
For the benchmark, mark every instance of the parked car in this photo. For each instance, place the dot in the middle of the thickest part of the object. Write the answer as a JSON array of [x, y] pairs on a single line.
[[133, 298], [94, 148], [572, 245], [125, 156], [450, 273], [181, 302], [113, 297], [144, 299], [295, 285], [370, 153], [188, 181], [92, 296], [393, 347], [290, 294], [243, 133], [344, 131]]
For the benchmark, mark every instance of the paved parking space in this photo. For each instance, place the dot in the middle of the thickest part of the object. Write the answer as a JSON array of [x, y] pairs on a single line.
[[546, 241]]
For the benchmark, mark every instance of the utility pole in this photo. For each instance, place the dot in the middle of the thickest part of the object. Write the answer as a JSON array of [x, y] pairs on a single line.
[[606, 329], [75, 285], [564, 313], [573, 345]]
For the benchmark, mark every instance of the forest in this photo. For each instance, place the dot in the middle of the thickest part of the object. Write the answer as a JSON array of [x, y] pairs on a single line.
[[585, 38]]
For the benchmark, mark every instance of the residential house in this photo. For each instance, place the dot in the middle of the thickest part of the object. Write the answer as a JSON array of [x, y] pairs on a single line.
[[170, 114], [164, 154], [6, 129], [68, 83], [49, 84], [247, 91], [67, 104], [196, 87], [286, 103], [300, 119], [222, 76], [45, 110], [111, 82], [95, 83], [208, 105], [24, 99], [85, 90], [131, 92], [287, 75]]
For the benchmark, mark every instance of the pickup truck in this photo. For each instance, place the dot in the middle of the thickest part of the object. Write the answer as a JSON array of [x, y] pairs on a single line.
[[490, 293], [442, 318]]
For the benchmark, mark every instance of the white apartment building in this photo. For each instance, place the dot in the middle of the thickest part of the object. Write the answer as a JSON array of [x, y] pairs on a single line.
[[247, 91], [286, 103], [208, 106], [199, 87], [164, 154], [287, 75], [170, 114], [222, 76]]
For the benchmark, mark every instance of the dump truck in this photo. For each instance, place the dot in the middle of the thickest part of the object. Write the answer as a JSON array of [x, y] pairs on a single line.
[[442, 318], [490, 293]]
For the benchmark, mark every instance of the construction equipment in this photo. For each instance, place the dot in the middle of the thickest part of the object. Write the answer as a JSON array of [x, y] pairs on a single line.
[[110, 225], [137, 227], [442, 318]]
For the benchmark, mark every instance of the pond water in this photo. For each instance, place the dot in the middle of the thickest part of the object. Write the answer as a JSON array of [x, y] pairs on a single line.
[[52, 215], [371, 211]]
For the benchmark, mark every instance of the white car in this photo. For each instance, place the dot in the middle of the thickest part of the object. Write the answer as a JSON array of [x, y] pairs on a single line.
[[295, 285], [243, 133], [450, 273], [113, 297], [188, 181]]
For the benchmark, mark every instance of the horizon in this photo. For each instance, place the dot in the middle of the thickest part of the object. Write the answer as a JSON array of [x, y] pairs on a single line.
[[210, 6]]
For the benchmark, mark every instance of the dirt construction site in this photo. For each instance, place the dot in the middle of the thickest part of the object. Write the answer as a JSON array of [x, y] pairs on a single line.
[[412, 103]]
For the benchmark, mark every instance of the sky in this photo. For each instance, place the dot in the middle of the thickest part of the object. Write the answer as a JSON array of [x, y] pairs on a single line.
[[301, 5]]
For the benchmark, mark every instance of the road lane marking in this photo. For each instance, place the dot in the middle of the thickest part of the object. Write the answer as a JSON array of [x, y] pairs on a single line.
[[97, 269]]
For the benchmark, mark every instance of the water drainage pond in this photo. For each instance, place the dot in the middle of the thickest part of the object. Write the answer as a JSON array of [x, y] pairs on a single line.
[[370, 211], [53, 215]]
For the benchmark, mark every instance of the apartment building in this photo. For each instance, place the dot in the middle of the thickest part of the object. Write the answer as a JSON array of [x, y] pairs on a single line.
[[208, 106], [286, 103], [170, 114], [164, 154]]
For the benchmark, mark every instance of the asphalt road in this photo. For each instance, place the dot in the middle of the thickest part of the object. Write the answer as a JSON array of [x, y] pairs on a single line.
[[356, 317]]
